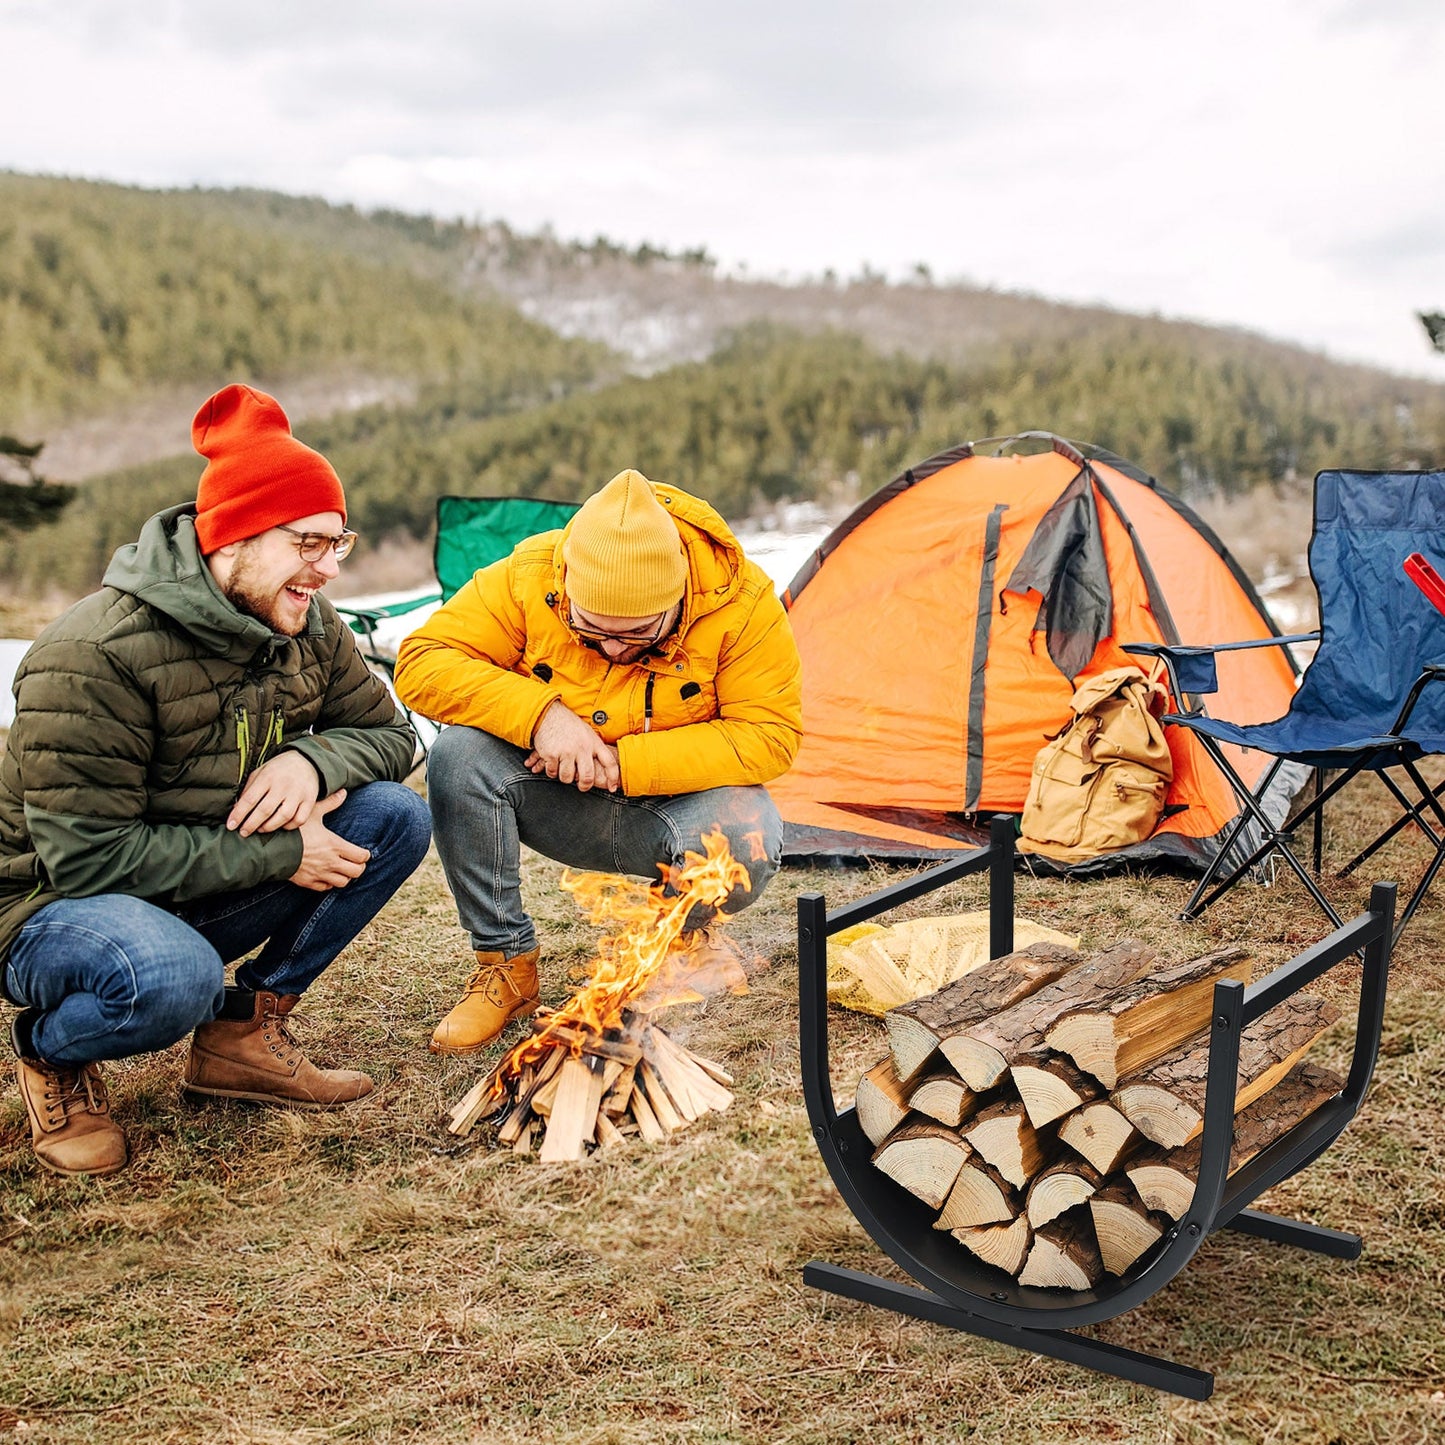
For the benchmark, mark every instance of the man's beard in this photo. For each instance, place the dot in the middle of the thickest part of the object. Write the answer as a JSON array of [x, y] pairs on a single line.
[[246, 594]]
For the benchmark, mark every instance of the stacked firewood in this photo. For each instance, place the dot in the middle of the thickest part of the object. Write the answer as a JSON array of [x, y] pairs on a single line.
[[570, 1088], [1049, 1105]]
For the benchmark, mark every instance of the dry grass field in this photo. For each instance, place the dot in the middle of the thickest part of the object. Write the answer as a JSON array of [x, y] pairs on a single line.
[[288, 1279]]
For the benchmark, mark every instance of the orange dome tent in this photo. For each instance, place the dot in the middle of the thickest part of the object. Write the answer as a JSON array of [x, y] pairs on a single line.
[[944, 623]]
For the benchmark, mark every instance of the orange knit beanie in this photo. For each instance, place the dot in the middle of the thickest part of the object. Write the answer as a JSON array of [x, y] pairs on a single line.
[[258, 475], [623, 552]]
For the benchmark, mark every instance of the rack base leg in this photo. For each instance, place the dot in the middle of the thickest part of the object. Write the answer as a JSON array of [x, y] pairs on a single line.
[[1107, 1359], [1293, 1231]]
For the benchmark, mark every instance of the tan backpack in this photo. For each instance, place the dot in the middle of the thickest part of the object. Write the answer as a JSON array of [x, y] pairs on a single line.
[[1100, 784]]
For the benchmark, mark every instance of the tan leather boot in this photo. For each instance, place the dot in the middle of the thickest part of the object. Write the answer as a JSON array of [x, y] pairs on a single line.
[[258, 1058], [499, 990], [70, 1125]]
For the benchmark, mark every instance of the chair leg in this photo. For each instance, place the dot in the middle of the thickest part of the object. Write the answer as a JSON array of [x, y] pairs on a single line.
[[1249, 812], [1274, 839], [1413, 813]]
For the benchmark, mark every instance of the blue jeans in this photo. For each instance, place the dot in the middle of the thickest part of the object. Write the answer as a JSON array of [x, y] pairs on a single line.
[[485, 802], [112, 976]]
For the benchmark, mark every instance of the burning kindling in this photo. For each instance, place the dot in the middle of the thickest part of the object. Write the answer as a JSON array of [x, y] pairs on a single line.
[[599, 1070]]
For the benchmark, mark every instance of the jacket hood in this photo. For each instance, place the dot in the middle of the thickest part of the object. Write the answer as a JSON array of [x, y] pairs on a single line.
[[715, 559], [165, 570]]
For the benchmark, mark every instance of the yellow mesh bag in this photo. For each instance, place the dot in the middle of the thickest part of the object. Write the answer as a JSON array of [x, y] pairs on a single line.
[[873, 969]]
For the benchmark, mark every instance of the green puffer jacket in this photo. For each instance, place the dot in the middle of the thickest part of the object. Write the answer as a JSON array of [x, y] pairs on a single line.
[[141, 711]]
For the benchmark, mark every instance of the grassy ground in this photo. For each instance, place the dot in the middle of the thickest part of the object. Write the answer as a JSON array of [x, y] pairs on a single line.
[[278, 1279]]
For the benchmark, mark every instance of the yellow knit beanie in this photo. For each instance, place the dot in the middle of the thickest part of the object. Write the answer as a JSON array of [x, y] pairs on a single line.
[[623, 553]]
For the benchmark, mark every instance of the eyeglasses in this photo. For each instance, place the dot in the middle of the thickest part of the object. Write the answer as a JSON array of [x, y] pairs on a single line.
[[313, 545], [637, 638]]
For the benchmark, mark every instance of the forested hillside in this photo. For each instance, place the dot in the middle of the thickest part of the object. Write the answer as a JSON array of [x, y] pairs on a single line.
[[106, 291], [109, 294]]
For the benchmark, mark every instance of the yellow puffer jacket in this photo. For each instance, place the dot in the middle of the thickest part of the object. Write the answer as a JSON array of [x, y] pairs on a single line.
[[718, 704]]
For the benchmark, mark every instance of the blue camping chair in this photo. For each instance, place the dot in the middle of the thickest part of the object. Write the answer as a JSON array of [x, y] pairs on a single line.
[[1367, 702]]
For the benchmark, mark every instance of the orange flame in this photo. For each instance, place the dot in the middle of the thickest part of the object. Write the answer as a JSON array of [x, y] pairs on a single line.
[[640, 952]]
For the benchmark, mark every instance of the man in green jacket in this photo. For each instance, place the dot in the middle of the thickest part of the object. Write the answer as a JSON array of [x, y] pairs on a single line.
[[201, 768]]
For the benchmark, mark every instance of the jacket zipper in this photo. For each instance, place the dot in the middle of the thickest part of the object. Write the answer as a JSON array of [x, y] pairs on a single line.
[[243, 742], [275, 732]]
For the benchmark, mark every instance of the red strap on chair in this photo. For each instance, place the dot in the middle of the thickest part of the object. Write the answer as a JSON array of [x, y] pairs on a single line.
[[1426, 578]]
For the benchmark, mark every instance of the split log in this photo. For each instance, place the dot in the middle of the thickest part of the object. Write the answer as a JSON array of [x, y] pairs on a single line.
[[1052, 1086], [598, 1045], [468, 1109], [1165, 1101], [980, 1195], [573, 1118], [1064, 1255], [881, 1101], [983, 1049], [510, 1129], [694, 1091], [663, 1106], [714, 1071], [924, 1158], [916, 1029], [1146, 1019], [1059, 1188], [1002, 1135], [1101, 1134], [608, 1134], [1123, 1226], [945, 1097], [648, 1126], [615, 1099], [1165, 1179], [1005, 1246]]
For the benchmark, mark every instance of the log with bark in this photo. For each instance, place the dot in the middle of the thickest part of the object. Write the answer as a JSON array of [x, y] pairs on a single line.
[[1002, 1135], [1005, 1246], [945, 1097], [1099, 1133], [1058, 1188], [1165, 1101], [916, 1029], [1052, 1086], [924, 1157], [1123, 1226], [981, 1050], [1064, 1255], [1145, 1019], [1165, 1178], [881, 1101], [980, 1195]]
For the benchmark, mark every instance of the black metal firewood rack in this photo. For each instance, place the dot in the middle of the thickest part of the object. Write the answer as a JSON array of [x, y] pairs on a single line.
[[964, 1293]]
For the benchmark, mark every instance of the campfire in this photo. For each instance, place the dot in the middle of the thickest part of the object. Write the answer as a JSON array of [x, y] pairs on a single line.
[[600, 1069]]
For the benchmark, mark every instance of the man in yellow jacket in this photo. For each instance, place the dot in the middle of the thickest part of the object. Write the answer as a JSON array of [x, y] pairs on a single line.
[[613, 691]]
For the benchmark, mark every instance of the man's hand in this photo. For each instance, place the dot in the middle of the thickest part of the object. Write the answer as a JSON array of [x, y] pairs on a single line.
[[327, 859], [279, 794], [565, 748]]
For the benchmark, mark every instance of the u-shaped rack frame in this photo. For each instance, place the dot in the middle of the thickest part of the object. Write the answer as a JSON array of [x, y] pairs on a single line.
[[961, 1291]]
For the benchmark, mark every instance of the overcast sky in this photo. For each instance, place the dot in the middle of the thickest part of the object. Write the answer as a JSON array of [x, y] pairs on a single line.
[[1276, 164]]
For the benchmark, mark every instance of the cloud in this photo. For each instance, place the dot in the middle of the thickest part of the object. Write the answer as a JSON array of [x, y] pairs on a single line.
[[1262, 165]]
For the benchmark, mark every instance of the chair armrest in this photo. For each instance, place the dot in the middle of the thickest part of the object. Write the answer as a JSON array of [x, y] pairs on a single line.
[[365, 620], [361, 619], [1431, 672], [1191, 668]]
